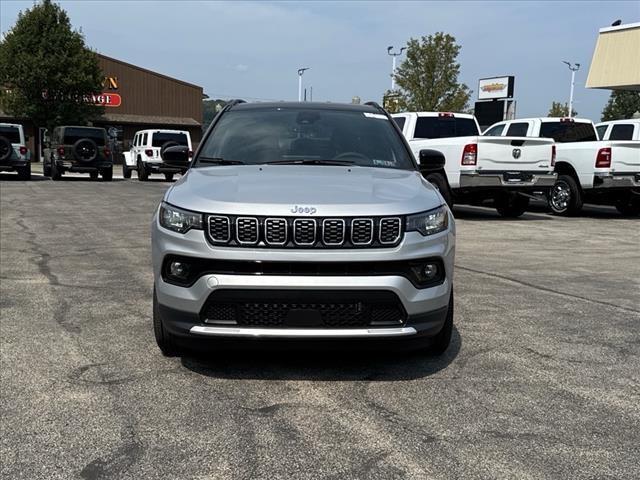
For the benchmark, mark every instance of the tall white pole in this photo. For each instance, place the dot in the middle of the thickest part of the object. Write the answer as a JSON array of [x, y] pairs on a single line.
[[393, 73], [299, 86], [573, 78]]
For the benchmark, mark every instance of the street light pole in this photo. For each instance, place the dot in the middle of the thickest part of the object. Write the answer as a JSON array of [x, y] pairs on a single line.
[[574, 68], [393, 68], [300, 73]]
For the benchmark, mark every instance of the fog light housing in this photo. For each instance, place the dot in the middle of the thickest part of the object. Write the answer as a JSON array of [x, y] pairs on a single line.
[[429, 272], [179, 270]]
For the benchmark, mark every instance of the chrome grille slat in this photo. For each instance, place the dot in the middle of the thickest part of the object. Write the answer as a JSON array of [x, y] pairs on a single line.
[[219, 228], [304, 231], [247, 230], [362, 231], [275, 231], [390, 230], [333, 231]]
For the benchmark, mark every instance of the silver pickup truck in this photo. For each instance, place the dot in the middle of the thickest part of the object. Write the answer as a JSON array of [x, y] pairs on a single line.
[[303, 221]]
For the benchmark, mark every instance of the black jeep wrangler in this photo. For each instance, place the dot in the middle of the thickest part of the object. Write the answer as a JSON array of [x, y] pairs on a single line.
[[78, 149]]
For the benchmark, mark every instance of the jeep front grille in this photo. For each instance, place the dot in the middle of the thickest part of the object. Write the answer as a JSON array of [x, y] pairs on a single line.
[[288, 232]]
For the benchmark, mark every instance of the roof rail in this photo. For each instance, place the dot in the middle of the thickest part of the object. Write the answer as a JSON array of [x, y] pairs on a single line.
[[233, 102], [376, 106]]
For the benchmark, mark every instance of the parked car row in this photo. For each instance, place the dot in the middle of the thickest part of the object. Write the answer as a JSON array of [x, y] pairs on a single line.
[[83, 149], [513, 161]]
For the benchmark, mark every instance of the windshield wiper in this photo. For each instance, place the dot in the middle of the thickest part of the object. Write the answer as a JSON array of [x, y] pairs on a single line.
[[219, 161], [311, 162]]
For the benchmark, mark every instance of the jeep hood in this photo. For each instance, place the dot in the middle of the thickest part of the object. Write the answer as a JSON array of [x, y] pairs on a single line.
[[278, 189]]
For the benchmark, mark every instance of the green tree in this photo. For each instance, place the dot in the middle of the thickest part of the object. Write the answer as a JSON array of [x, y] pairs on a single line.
[[210, 109], [621, 106], [560, 110], [46, 71], [428, 77]]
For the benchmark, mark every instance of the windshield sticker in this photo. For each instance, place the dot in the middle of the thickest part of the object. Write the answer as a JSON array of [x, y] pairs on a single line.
[[383, 163], [375, 115]]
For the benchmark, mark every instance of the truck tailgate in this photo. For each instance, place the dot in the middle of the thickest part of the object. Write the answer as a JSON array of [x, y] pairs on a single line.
[[625, 156], [514, 153]]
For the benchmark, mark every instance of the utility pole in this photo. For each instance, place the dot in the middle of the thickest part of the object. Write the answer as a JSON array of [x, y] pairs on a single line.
[[300, 73], [574, 68], [393, 68]]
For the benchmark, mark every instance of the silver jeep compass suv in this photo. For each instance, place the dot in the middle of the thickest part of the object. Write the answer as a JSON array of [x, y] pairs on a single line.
[[303, 221]]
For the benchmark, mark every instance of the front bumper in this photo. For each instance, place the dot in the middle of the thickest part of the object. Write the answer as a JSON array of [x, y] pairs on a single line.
[[180, 307], [616, 180], [528, 180]]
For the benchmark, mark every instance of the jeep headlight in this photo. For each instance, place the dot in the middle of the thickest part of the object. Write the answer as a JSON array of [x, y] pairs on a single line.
[[178, 220], [430, 222]]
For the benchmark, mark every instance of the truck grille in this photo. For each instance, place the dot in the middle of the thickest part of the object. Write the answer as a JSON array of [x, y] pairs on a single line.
[[299, 309], [287, 232]]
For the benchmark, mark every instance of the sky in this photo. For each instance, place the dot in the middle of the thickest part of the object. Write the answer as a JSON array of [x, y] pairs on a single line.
[[252, 50]]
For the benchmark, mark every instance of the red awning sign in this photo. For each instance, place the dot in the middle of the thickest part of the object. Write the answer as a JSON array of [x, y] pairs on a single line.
[[107, 99]]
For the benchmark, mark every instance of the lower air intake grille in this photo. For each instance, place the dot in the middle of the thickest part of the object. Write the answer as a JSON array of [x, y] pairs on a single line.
[[296, 309]]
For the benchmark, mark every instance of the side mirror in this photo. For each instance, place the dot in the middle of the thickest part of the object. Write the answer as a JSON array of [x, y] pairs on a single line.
[[176, 156], [431, 160]]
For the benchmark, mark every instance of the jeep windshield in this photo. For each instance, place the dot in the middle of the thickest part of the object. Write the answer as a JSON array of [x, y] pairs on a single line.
[[73, 134], [301, 135]]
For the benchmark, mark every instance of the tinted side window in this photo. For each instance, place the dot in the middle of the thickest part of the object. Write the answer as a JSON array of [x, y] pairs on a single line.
[[518, 129], [144, 139], [563, 132], [445, 127], [494, 131], [400, 122], [622, 132], [602, 129]]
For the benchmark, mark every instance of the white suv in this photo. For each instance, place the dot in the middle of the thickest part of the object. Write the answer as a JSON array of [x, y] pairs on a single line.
[[14, 154], [147, 150]]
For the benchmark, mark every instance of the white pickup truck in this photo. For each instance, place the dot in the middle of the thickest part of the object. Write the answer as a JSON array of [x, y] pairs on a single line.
[[603, 172], [507, 170]]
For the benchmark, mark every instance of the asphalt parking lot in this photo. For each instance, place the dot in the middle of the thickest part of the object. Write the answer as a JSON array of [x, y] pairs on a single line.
[[542, 379]]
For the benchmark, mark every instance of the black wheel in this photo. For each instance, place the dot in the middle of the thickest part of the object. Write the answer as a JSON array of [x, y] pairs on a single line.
[[166, 341], [629, 206], [143, 173], [55, 172], [168, 177], [46, 169], [441, 341], [511, 205], [107, 174], [24, 173], [565, 197], [126, 172], [6, 149], [440, 182], [93, 175]]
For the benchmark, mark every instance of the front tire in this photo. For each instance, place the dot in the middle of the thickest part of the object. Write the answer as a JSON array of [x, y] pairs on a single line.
[[143, 173], [166, 342], [511, 205], [440, 182], [565, 197], [107, 174], [24, 173], [440, 343], [55, 172]]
